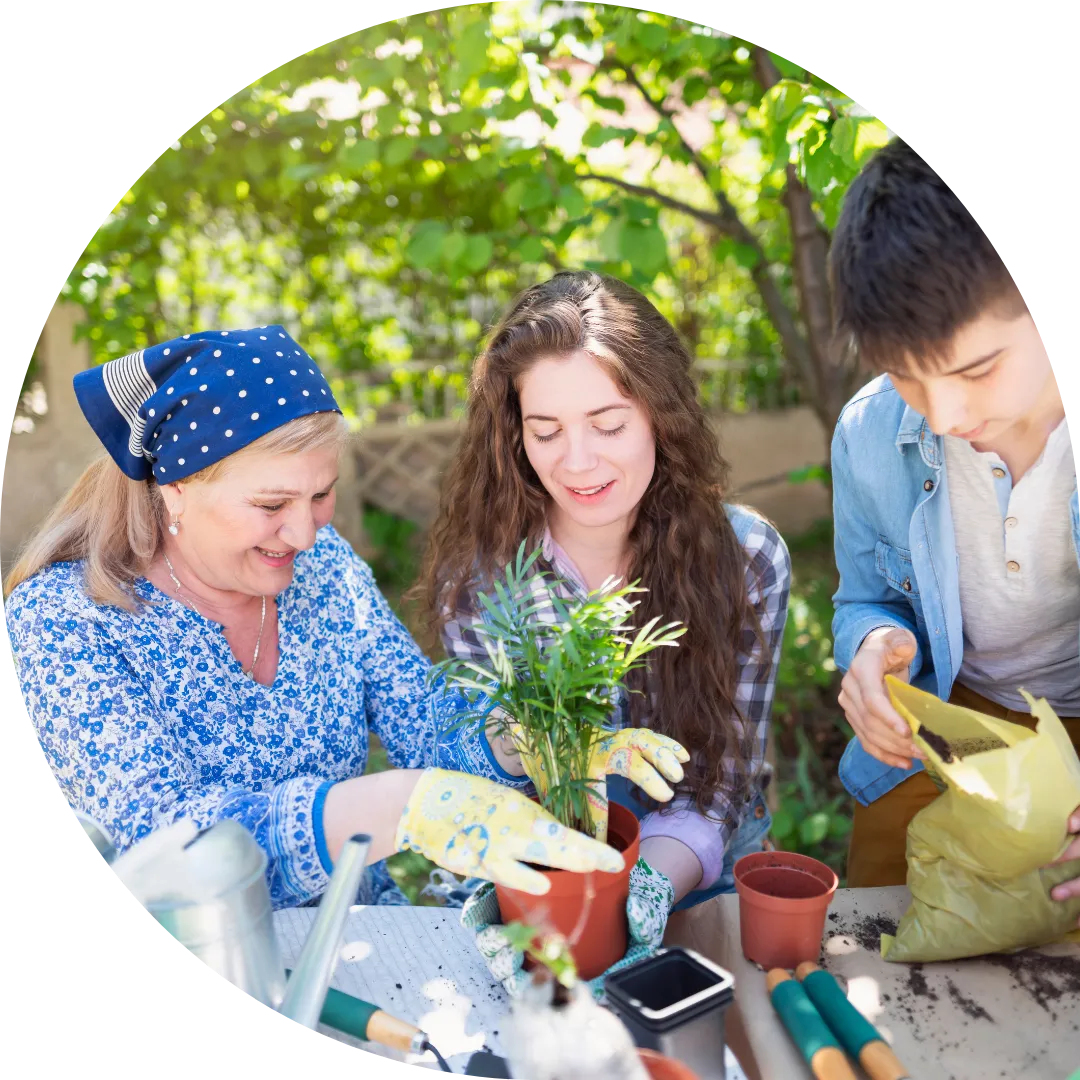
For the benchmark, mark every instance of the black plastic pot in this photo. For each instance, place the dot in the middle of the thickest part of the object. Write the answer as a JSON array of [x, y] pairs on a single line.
[[674, 1002]]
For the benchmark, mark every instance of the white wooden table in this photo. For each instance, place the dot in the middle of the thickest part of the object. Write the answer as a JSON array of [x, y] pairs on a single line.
[[1015, 1017], [419, 964]]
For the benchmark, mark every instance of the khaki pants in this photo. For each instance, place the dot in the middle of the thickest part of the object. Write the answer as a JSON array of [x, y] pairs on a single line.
[[877, 854]]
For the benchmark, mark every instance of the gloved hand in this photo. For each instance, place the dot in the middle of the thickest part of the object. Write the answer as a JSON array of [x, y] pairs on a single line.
[[647, 908], [477, 828], [644, 757]]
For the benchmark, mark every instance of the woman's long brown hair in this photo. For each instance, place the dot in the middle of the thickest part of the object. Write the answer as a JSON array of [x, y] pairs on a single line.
[[682, 546]]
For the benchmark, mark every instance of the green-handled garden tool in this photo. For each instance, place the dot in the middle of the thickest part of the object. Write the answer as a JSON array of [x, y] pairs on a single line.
[[811, 1034], [857, 1035], [363, 1020]]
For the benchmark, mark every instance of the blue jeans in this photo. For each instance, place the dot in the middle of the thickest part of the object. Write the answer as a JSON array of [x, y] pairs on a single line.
[[749, 837]]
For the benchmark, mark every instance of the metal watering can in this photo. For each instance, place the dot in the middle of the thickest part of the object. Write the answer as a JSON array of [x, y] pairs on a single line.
[[208, 889]]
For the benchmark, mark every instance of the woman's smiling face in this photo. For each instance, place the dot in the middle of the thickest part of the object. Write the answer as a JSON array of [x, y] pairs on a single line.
[[241, 531], [592, 447]]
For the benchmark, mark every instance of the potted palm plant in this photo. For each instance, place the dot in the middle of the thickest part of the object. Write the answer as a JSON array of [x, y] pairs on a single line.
[[553, 672]]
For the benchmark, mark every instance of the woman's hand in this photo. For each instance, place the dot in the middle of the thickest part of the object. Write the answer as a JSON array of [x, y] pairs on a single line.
[[477, 828], [1068, 889], [502, 744], [647, 759], [644, 757], [865, 701]]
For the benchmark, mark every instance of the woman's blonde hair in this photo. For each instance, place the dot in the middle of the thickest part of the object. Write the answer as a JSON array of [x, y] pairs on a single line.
[[114, 524]]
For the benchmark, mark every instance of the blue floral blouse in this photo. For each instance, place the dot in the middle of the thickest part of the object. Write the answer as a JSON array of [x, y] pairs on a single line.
[[147, 717]]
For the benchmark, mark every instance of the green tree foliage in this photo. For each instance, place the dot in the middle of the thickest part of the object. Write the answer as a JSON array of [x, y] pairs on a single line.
[[386, 194]]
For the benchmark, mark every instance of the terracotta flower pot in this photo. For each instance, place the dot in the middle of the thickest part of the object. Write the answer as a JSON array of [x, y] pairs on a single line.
[[783, 898], [664, 1068], [603, 939]]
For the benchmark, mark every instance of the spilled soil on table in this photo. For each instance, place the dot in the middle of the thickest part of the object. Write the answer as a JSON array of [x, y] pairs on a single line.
[[1047, 979], [864, 929], [968, 1006]]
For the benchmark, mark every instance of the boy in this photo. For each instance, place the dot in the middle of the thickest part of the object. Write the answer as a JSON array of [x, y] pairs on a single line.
[[954, 496]]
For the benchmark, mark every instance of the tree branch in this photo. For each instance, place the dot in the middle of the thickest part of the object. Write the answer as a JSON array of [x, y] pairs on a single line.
[[661, 110], [726, 220], [827, 373], [733, 225], [710, 217]]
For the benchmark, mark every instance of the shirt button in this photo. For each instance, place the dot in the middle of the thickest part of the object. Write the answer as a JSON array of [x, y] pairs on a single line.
[[999, 473], [928, 486], [906, 584], [1010, 523], [1013, 566], [759, 811]]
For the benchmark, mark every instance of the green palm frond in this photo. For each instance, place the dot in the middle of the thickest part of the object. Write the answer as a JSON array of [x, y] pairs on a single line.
[[556, 668]]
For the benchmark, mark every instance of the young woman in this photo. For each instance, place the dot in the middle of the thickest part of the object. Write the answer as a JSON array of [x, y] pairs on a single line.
[[585, 436]]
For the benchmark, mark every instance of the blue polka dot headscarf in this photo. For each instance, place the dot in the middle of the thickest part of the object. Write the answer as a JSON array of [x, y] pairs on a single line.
[[172, 409]]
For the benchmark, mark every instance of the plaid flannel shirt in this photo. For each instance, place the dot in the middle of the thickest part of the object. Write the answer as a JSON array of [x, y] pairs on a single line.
[[768, 579]]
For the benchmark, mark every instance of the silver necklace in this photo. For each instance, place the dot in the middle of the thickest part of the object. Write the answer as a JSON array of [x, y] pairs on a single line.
[[250, 673]]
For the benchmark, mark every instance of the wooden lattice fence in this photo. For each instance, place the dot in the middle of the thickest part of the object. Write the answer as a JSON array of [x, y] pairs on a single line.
[[399, 466]]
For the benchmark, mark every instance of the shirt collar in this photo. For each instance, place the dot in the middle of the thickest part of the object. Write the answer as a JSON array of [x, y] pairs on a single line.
[[561, 563], [914, 429]]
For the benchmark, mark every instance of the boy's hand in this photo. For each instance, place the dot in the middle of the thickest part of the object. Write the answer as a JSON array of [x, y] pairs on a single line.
[[865, 701], [1068, 889]]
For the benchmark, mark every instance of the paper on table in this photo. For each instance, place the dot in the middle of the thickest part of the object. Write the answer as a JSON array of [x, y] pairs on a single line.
[[413, 963], [418, 964]]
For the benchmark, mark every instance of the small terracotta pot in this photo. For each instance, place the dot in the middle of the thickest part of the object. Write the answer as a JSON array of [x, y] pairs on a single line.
[[664, 1068], [603, 939], [783, 898]]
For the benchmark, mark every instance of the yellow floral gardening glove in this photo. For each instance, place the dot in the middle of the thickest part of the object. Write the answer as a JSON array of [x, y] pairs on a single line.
[[477, 828], [644, 757]]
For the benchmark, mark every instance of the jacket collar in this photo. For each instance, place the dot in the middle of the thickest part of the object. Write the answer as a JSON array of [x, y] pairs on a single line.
[[914, 429]]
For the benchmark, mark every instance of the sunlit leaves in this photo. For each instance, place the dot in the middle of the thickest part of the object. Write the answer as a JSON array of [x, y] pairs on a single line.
[[535, 193], [398, 150], [573, 202], [643, 246], [601, 136], [531, 249], [355, 157], [428, 175], [870, 135], [478, 252], [786, 68], [425, 246], [781, 101]]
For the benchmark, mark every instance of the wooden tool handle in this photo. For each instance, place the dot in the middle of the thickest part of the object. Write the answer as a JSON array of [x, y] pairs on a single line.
[[831, 1063], [390, 1031], [880, 1063]]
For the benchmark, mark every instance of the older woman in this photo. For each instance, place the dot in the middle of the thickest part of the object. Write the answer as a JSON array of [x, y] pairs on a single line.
[[195, 640]]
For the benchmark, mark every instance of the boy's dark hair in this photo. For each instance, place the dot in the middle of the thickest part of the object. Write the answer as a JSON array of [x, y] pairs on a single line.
[[909, 265]]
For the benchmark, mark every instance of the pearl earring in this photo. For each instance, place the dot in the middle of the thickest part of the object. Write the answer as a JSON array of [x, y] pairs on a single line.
[[174, 528]]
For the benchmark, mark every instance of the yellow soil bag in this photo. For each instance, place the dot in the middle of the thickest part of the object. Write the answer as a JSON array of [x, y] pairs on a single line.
[[978, 855]]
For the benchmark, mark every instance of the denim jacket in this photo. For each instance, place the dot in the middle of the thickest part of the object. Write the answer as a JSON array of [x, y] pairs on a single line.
[[896, 553]]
